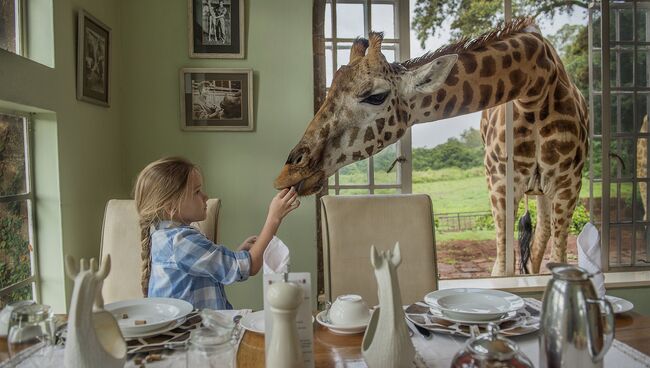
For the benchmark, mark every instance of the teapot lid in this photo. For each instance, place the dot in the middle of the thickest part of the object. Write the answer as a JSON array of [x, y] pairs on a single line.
[[489, 345], [569, 272]]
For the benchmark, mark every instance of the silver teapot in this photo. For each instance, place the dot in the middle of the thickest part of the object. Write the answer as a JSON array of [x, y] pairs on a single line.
[[574, 333]]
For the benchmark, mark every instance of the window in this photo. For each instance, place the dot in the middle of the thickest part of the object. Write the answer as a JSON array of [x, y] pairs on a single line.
[[18, 271], [620, 95], [346, 20], [11, 26]]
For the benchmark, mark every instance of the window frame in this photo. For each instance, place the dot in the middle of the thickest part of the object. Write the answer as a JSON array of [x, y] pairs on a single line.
[[401, 41], [30, 197]]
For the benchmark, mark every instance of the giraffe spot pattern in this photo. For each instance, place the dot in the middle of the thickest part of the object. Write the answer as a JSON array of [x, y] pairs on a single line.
[[369, 136], [530, 46], [529, 116], [441, 95], [498, 95], [488, 66], [380, 125], [525, 149], [518, 79], [341, 159], [469, 62], [543, 112], [514, 43], [565, 107], [521, 132], [400, 133], [387, 136], [543, 60], [506, 61], [485, 91], [452, 78], [449, 107], [353, 136], [566, 164], [558, 126], [516, 55], [560, 92], [370, 150], [426, 101], [356, 156], [336, 141], [536, 89], [551, 148], [391, 120], [468, 96], [325, 132]]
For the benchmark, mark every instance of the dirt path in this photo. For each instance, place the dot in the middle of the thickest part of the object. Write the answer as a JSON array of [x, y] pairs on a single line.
[[462, 259]]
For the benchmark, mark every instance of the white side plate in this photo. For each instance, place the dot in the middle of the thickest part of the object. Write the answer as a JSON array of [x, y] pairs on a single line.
[[254, 322], [340, 330], [156, 312]]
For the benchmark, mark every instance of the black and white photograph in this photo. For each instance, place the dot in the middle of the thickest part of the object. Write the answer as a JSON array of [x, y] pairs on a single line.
[[216, 99], [93, 46], [216, 28]]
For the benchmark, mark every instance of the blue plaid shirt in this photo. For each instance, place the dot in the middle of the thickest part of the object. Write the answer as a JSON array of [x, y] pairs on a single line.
[[187, 265]]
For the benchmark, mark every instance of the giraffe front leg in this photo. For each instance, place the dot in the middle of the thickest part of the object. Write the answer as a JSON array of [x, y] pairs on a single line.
[[499, 268]]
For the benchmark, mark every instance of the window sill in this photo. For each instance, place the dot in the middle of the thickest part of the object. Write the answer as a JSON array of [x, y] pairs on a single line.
[[517, 284]]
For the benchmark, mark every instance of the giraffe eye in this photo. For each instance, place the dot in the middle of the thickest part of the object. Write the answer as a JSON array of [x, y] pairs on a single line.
[[376, 99]]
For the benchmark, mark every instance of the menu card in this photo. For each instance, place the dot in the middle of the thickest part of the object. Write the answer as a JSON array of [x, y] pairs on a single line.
[[303, 316]]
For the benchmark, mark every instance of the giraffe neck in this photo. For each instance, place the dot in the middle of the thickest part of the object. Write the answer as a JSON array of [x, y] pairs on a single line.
[[520, 67]]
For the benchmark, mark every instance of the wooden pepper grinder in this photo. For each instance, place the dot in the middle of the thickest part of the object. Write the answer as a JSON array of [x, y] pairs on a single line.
[[284, 347]]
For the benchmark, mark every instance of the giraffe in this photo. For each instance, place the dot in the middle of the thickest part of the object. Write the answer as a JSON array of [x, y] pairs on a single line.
[[371, 103]]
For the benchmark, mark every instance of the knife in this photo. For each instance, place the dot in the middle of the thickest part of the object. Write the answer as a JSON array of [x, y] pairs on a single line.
[[426, 334]]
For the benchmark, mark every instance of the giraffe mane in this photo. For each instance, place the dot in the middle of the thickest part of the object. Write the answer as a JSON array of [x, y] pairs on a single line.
[[504, 30]]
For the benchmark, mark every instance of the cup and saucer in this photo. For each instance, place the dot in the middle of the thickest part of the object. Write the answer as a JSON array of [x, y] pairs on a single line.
[[348, 315]]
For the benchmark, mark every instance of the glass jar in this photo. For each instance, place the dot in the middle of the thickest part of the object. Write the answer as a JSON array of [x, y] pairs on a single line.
[[490, 351], [30, 325], [209, 348]]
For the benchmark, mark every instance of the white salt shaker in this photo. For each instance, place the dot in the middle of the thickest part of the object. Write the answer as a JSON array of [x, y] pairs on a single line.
[[284, 347]]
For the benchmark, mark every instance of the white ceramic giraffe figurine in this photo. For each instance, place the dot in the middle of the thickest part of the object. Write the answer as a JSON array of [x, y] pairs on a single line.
[[386, 342], [94, 338]]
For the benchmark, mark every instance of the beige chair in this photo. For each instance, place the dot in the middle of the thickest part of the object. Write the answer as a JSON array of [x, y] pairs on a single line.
[[121, 238], [351, 224]]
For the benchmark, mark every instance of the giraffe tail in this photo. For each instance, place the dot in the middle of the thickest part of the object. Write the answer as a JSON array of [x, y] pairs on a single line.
[[525, 236]]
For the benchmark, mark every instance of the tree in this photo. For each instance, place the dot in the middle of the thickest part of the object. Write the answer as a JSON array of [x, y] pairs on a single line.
[[470, 18]]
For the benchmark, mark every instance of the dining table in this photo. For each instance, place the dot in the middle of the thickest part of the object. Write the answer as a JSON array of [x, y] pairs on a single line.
[[332, 350]]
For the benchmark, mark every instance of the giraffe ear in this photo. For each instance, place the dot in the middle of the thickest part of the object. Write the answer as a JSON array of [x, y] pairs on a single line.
[[429, 77]]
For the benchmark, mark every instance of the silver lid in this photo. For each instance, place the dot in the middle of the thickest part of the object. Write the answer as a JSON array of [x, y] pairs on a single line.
[[569, 272]]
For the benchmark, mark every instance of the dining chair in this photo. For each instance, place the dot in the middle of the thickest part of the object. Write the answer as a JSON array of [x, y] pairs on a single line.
[[351, 224], [121, 238]]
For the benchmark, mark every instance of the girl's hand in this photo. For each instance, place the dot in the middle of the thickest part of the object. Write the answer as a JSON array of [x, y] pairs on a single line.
[[283, 203], [248, 243]]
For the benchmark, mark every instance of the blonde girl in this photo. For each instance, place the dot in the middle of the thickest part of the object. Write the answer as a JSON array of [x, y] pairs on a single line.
[[177, 260]]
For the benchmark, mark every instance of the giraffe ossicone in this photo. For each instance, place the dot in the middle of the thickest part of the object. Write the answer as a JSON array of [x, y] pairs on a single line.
[[371, 104]]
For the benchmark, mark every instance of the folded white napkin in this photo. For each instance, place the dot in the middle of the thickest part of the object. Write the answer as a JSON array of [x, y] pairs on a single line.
[[589, 257], [276, 257]]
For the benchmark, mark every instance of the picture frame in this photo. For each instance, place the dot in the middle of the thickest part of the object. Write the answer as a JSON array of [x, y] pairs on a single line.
[[216, 99], [93, 60], [216, 28]]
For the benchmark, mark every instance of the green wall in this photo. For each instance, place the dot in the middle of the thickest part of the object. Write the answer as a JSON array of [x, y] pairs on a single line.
[[78, 146], [238, 167]]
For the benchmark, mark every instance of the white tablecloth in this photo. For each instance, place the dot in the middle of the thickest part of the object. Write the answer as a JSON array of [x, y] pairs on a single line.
[[433, 353]]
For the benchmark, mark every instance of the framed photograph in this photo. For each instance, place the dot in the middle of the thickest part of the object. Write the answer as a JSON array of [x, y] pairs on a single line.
[[216, 99], [216, 28], [93, 51]]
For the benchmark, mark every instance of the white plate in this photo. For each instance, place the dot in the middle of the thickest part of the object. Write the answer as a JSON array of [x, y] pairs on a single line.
[[620, 305], [503, 318], [341, 330], [254, 322], [158, 331], [157, 312], [474, 304]]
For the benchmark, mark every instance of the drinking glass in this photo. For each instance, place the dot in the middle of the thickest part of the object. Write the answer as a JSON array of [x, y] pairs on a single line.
[[210, 349], [31, 325]]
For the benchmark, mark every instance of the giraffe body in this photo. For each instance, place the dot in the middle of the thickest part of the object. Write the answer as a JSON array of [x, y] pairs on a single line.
[[371, 104]]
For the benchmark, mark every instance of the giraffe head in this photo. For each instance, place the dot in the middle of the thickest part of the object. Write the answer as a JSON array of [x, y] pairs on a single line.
[[366, 110]]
